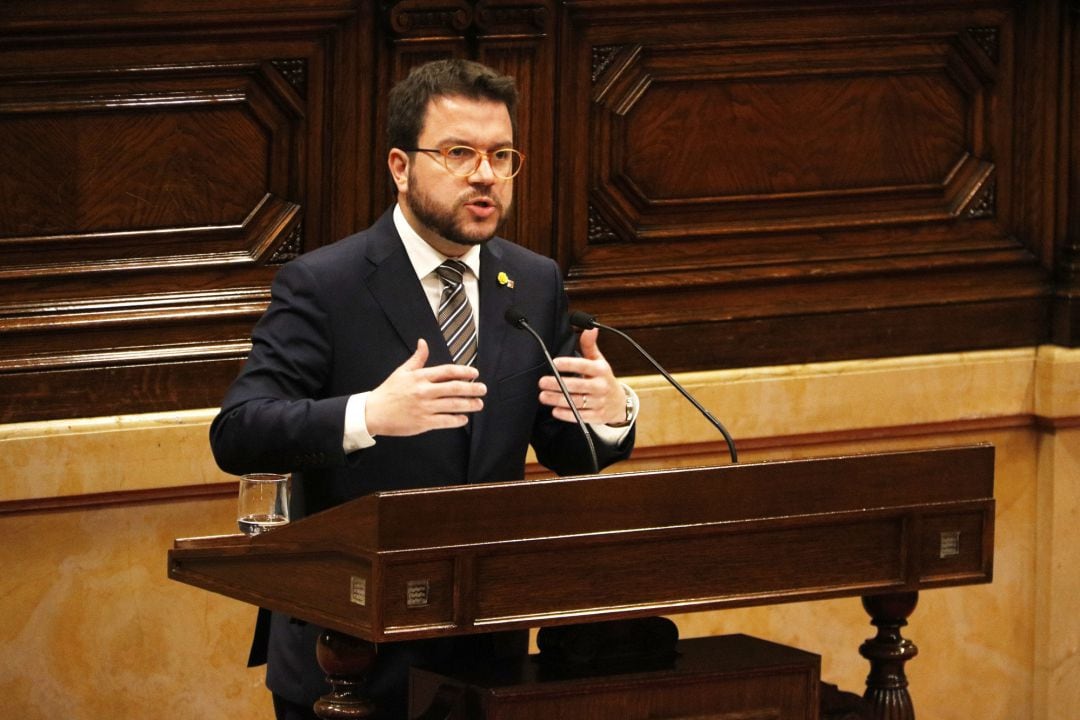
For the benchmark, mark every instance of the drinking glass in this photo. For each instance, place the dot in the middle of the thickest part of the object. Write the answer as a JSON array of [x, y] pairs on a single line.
[[264, 502]]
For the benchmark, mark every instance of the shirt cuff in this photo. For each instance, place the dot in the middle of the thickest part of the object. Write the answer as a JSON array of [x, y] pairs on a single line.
[[615, 435], [357, 436]]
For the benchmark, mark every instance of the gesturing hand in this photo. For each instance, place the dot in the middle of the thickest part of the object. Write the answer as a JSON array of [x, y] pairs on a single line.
[[415, 399], [596, 393]]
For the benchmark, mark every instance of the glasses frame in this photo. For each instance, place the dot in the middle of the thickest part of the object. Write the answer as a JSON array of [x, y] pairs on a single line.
[[481, 156]]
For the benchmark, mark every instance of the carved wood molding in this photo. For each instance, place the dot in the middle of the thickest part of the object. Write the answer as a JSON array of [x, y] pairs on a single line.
[[466, 18], [743, 186], [417, 18], [498, 18], [660, 161], [160, 182], [130, 122], [744, 172]]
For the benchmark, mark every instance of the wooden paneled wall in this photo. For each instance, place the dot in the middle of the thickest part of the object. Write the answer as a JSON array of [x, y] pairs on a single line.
[[736, 183]]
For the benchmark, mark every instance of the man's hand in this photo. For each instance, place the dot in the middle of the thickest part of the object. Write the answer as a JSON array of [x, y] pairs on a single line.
[[598, 396], [415, 399]]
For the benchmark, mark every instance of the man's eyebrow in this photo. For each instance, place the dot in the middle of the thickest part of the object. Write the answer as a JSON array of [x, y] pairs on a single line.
[[450, 141]]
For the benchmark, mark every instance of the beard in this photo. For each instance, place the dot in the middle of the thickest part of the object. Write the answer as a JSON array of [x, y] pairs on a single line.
[[446, 222]]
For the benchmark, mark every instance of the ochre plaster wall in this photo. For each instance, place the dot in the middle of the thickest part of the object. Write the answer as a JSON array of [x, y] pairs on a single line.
[[88, 508]]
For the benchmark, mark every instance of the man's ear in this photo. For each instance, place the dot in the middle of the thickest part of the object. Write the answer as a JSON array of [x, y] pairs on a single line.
[[398, 160]]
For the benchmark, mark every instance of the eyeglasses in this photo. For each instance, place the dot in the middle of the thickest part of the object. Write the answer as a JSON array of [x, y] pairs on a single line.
[[463, 161]]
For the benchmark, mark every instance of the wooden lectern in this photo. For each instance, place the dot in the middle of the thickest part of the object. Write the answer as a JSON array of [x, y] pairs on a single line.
[[424, 563]]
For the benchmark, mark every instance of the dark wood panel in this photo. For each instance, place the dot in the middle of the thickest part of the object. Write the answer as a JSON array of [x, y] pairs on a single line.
[[1067, 305], [761, 187], [712, 568], [162, 160], [732, 677], [95, 156], [110, 388], [741, 136], [832, 336], [734, 182], [721, 137]]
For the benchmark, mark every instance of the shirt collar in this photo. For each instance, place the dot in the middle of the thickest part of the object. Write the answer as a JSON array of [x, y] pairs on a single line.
[[425, 258]]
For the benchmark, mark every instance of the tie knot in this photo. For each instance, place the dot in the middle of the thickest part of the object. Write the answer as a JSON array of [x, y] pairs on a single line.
[[452, 272]]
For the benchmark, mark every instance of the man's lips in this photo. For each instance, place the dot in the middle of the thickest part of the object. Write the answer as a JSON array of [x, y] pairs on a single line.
[[482, 207]]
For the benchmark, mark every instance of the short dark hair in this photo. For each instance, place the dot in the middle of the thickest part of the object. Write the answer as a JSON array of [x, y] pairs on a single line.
[[410, 97]]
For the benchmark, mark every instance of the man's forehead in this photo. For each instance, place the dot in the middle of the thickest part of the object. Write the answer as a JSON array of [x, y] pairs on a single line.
[[459, 114]]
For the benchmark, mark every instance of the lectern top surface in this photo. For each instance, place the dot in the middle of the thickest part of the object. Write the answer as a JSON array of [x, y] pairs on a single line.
[[618, 502]]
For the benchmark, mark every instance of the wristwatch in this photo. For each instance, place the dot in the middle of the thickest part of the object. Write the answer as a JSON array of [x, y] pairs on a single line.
[[629, 411]]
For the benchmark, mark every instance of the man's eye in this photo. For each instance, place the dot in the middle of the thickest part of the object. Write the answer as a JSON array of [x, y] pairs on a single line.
[[460, 153], [503, 155]]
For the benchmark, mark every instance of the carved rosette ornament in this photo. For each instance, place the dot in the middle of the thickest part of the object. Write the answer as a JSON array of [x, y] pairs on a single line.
[[602, 57], [989, 39], [295, 73], [599, 229], [984, 204], [291, 247]]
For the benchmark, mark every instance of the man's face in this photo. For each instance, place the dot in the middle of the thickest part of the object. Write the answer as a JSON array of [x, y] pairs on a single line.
[[452, 212]]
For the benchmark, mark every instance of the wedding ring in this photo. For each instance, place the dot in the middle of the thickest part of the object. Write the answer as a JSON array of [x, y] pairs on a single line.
[[584, 401]]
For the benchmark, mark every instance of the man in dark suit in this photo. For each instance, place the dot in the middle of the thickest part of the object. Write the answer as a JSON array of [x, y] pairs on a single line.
[[352, 386]]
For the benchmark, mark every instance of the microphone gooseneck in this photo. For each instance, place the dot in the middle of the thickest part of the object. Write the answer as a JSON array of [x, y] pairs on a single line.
[[515, 317], [586, 321]]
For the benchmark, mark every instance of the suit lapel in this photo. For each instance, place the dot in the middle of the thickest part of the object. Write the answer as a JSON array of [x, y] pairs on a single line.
[[394, 285], [495, 299]]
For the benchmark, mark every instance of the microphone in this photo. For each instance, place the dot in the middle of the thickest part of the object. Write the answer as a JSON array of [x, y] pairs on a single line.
[[515, 317], [585, 321]]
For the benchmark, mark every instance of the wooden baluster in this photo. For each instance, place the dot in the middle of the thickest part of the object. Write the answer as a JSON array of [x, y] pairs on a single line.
[[345, 660], [886, 685]]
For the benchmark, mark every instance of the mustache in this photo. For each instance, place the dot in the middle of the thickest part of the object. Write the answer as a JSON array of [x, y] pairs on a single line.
[[469, 197]]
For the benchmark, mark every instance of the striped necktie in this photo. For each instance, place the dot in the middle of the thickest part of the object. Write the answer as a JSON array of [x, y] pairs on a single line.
[[455, 314]]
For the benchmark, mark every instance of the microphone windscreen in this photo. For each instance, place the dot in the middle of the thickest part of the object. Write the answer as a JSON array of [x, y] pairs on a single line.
[[515, 317], [583, 320]]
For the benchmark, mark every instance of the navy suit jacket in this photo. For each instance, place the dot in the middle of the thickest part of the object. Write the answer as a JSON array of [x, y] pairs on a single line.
[[340, 320]]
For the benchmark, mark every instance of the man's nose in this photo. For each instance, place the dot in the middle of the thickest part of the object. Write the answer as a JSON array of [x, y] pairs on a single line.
[[484, 173]]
